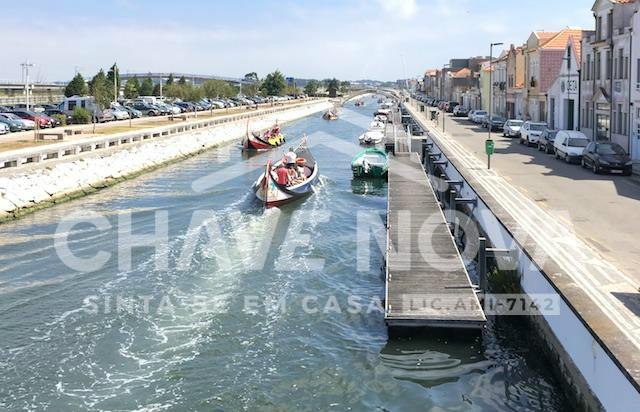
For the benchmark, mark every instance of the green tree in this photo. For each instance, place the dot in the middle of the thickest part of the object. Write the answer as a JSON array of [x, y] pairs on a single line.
[[156, 90], [332, 87], [170, 80], [131, 88], [345, 86], [146, 88], [251, 89], [81, 116], [274, 84], [311, 88], [182, 81], [251, 77], [114, 73], [100, 89], [218, 88], [76, 87]]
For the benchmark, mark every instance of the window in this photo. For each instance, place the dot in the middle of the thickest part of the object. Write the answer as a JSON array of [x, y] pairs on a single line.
[[620, 63], [588, 71], [568, 58], [615, 122], [638, 71], [624, 123], [597, 62], [610, 25], [599, 28], [626, 67], [619, 118], [608, 64]]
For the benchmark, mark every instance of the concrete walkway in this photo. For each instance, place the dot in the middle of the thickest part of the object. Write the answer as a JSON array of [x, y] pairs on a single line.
[[586, 222]]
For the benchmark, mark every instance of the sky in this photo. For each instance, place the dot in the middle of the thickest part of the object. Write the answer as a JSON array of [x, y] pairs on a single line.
[[348, 39]]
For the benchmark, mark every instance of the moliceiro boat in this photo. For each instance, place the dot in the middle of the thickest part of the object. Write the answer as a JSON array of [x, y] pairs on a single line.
[[330, 114], [371, 162], [272, 190], [266, 140]]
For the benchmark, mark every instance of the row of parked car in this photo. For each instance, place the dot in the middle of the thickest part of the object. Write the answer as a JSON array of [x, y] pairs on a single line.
[[18, 118], [569, 145]]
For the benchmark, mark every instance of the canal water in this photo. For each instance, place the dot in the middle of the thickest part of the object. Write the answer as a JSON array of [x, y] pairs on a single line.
[[248, 310]]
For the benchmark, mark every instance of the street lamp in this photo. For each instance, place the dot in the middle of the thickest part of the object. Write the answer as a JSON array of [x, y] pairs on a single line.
[[442, 88], [489, 145], [25, 71]]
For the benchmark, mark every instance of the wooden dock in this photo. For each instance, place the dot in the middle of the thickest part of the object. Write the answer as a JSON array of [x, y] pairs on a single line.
[[427, 284]]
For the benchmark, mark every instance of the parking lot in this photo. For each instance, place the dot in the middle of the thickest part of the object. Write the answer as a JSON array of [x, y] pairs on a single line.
[[600, 206]]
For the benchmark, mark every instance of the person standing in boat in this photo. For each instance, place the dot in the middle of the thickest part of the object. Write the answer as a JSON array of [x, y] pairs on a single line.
[[284, 178], [290, 158]]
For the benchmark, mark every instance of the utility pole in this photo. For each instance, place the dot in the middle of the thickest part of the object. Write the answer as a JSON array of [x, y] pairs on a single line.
[[25, 68], [161, 86], [115, 83], [489, 143], [443, 90]]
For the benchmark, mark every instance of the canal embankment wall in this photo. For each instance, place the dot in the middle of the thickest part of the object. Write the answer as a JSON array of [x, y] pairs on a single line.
[[598, 366], [39, 177]]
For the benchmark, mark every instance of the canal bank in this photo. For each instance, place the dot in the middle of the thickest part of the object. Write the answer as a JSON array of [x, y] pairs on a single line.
[[594, 336], [36, 178]]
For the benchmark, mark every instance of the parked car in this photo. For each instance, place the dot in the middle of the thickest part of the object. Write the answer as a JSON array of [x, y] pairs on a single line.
[[14, 123], [26, 123], [119, 113], [451, 106], [606, 156], [4, 129], [52, 120], [105, 116], [146, 108], [51, 112], [530, 132], [545, 143], [460, 111], [42, 121], [133, 113], [478, 116], [497, 123], [186, 106], [512, 128], [569, 145]]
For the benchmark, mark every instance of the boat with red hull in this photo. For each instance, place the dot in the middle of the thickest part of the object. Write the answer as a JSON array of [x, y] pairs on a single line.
[[266, 140]]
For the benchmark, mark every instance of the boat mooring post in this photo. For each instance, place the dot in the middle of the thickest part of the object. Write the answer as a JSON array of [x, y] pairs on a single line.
[[452, 207], [482, 264]]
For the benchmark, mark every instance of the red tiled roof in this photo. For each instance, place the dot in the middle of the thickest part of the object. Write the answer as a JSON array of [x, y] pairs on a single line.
[[462, 73], [624, 1], [544, 36], [559, 41]]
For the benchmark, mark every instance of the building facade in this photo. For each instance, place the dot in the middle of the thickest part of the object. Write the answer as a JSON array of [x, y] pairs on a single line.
[[500, 85], [515, 82], [562, 97], [605, 86]]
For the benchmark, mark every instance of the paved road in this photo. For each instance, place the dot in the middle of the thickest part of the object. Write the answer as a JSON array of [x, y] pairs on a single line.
[[603, 209]]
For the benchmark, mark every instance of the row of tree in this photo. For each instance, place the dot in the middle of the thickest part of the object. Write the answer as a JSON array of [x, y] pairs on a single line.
[[103, 87]]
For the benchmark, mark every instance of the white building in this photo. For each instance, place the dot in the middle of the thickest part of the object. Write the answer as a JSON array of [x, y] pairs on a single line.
[[500, 85], [605, 85], [634, 129], [562, 97]]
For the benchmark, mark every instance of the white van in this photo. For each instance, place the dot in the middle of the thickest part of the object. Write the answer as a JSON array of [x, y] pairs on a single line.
[[85, 102], [569, 145]]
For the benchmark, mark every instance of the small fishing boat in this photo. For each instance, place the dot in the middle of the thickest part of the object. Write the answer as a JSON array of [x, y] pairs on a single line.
[[330, 114], [371, 137], [381, 118], [377, 125], [359, 103], [382, 112], [266, 140], [371, 162], [272, 193]]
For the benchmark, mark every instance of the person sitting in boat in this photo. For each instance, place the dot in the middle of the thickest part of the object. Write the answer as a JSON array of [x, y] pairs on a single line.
[[284, 177]]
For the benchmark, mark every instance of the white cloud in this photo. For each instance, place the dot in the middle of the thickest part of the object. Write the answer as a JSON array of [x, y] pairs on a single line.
[[404, 9]]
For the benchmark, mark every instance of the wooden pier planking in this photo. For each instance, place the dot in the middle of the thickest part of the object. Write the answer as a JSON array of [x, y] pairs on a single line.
[[427, 284]]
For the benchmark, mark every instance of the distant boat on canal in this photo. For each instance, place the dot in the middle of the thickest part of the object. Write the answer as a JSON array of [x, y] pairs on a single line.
[[371, 162], [268, 139], [330, 114], [271, 193]]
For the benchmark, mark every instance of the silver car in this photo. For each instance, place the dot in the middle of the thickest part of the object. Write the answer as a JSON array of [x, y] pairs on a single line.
[[512, 128]]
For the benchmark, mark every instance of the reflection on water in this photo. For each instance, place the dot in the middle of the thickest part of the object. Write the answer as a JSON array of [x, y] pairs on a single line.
[[369, 187]]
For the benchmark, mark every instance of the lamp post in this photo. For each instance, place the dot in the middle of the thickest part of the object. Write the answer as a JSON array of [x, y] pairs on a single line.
[[489, 145], [442, 87], [25, 67]]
